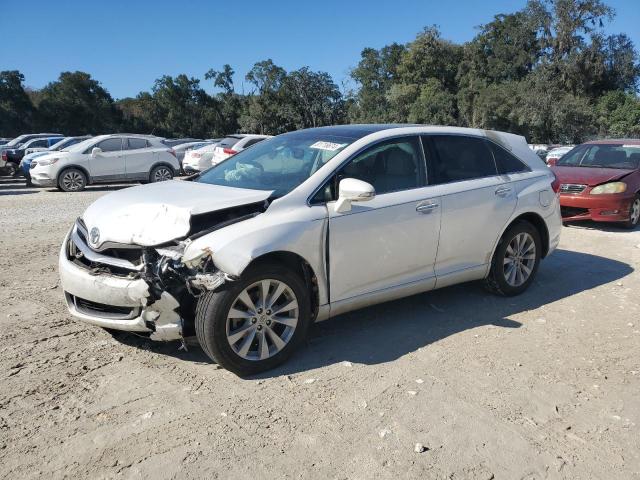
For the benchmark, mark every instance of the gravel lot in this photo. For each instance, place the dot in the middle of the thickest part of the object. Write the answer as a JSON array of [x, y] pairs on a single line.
[[545, 385]]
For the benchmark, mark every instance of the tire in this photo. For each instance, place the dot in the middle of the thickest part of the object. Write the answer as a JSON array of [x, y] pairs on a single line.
[[222, 336], [634, 214], [160, 173], [513, 270], [72, 180]]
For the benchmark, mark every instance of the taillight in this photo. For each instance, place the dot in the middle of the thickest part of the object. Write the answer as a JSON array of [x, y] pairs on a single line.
[[4, 156], [229, 151], [555, 184], [173, 152]]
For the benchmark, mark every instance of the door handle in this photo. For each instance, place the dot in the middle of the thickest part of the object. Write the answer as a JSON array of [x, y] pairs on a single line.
[[427, 207], [503, 191]]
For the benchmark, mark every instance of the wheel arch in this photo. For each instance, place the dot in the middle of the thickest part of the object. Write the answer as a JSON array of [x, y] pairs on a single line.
[[296, 263], [538, 222], [77, 167]]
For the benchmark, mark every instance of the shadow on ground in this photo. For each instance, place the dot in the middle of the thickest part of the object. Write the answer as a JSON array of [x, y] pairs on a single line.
[[388, 331], [17, 186], [612, 227]]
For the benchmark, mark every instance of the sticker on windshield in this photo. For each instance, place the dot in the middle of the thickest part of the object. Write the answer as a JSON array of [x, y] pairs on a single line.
[[332, 147], [625, 146]]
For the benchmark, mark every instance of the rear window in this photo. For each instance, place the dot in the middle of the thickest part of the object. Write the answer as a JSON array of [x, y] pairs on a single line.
[[228, 142], [505, 161], [136, 143], [253, 141]]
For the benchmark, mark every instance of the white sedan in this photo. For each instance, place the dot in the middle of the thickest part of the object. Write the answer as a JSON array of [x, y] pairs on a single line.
[[306, 226]]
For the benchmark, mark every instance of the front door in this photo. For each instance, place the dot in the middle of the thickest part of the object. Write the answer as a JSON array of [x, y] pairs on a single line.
[[392, 239], [108, 164]]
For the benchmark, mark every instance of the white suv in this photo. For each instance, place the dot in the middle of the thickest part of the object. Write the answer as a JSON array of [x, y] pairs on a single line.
[[309, 225], [106, 158], [232, 144]]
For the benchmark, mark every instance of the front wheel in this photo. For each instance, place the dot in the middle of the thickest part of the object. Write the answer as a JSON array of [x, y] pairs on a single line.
[[634, 214], [161, 173], [516, 260], [255, 323], [72, 180]]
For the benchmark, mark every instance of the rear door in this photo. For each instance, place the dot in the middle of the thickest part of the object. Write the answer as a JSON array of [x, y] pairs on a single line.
[[476, 201], [108, 164], [138, 157]]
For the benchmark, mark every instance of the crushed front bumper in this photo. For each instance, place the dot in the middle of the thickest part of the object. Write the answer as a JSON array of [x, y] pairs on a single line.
[[117, 302]]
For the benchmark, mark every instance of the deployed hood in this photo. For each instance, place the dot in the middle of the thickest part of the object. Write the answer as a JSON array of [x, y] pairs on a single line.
[[589, 175], [157, 213]]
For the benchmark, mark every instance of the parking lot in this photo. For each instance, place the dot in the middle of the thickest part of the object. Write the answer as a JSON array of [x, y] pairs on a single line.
[[544, 385]]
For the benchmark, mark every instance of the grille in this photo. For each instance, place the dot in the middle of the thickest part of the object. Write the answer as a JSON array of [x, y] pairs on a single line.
[[572, 188], [101, 310], [573, 211]]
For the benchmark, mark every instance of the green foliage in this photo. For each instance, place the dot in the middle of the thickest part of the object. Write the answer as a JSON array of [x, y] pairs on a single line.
[[16, 109]]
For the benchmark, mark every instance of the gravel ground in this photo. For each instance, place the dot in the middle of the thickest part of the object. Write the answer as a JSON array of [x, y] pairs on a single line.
[[545, 385]]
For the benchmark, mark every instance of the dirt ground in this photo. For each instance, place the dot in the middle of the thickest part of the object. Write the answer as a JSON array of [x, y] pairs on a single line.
[[545, 385]]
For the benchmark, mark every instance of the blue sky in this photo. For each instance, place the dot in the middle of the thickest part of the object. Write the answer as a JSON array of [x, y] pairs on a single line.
[[126, 45]]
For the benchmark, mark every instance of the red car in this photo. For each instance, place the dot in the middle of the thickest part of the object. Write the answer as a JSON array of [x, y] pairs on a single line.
[[600, 181]]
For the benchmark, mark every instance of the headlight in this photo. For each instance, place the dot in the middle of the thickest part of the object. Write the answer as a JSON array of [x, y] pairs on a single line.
[[613, 187], [48, 161]]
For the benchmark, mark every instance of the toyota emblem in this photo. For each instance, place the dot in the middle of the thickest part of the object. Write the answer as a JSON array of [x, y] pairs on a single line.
[[94, 236]]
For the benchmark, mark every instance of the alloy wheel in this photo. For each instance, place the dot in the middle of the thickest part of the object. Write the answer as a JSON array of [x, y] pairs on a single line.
[[519, 259], [262, 319], [162, 174], [634, 214], [72, 181]]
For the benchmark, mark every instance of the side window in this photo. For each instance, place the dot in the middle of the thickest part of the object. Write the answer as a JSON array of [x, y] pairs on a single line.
[[460, 158], [505, 161], [136, 143], [38, 144], [253, 141], [110, 145]]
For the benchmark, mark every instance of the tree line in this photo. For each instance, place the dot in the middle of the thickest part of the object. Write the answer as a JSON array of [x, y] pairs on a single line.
[[548, 72]]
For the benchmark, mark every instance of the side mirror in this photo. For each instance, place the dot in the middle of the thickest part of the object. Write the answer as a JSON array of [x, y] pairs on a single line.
[[352, 190], [96, 151], [552, 161]]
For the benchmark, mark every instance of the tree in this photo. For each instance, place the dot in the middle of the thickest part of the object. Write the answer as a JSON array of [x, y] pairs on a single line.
[[76, 104], [16, 110], [619, 115]]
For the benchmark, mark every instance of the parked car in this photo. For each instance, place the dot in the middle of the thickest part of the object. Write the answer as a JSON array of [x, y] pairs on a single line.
[[66, 142], [174, 142], [106, 158], [14, 155], [556, 154], [600, 181], [232, 144], [199, 158], [4, 141], [11, 167], [181, 149], [308, 225]]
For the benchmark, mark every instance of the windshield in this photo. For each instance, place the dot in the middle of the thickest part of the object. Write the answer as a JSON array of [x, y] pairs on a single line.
[[600, 155], [80, 147], [279, 164], [16, 141], [58, 145]]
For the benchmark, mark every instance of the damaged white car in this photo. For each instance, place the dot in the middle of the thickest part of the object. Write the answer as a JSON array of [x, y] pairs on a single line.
[[308, 225]]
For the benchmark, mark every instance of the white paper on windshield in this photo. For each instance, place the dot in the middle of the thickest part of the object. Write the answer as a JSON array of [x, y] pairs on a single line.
[[631, 146], [332, 147]]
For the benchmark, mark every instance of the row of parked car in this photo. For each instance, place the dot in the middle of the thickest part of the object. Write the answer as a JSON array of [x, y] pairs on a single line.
[[72, 163]]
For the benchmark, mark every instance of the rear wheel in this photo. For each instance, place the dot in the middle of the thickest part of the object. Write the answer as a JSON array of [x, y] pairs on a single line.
[[72, 180], [255, 323], [634, 214], [161, 173], [516, 260]]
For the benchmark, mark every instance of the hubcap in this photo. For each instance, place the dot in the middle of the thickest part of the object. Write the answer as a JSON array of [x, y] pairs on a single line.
[[262, 319], [72, 181], [162, 174], [635, 211], [519, 259]]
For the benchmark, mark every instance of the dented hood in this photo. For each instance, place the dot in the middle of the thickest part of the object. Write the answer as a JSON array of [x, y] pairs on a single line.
[[588, 175], [157, 213]]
